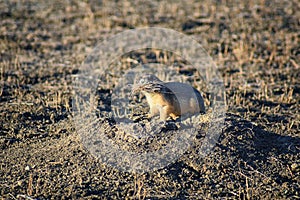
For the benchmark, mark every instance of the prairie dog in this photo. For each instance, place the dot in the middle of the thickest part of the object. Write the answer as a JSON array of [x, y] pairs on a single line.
[[169, 99]]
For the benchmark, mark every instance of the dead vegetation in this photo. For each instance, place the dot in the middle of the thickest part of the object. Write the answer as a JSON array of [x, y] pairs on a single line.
[[256, 47]]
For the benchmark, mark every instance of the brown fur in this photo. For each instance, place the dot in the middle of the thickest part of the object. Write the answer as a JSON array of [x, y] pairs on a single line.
[[170, 99], [162, 104]]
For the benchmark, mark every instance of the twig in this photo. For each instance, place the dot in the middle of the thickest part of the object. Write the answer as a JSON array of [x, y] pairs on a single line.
[[25, 197]]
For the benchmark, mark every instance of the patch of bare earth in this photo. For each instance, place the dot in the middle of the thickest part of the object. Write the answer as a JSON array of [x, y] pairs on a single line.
[[256, 47]]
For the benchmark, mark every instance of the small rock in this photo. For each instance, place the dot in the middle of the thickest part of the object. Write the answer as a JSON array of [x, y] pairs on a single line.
[[240, 137], [19, 182], [294, 166], [27, 168]]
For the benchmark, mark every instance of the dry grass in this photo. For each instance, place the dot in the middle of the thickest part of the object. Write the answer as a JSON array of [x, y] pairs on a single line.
[[256, 47]]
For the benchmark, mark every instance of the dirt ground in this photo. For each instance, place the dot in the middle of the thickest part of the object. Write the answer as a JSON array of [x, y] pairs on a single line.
[[255, 45]]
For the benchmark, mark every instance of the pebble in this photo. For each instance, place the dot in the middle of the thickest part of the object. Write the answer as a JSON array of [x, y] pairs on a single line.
[[294, 166]]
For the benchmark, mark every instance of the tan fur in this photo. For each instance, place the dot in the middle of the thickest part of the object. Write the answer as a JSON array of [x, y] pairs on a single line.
[[160, 105], [170, 99]]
